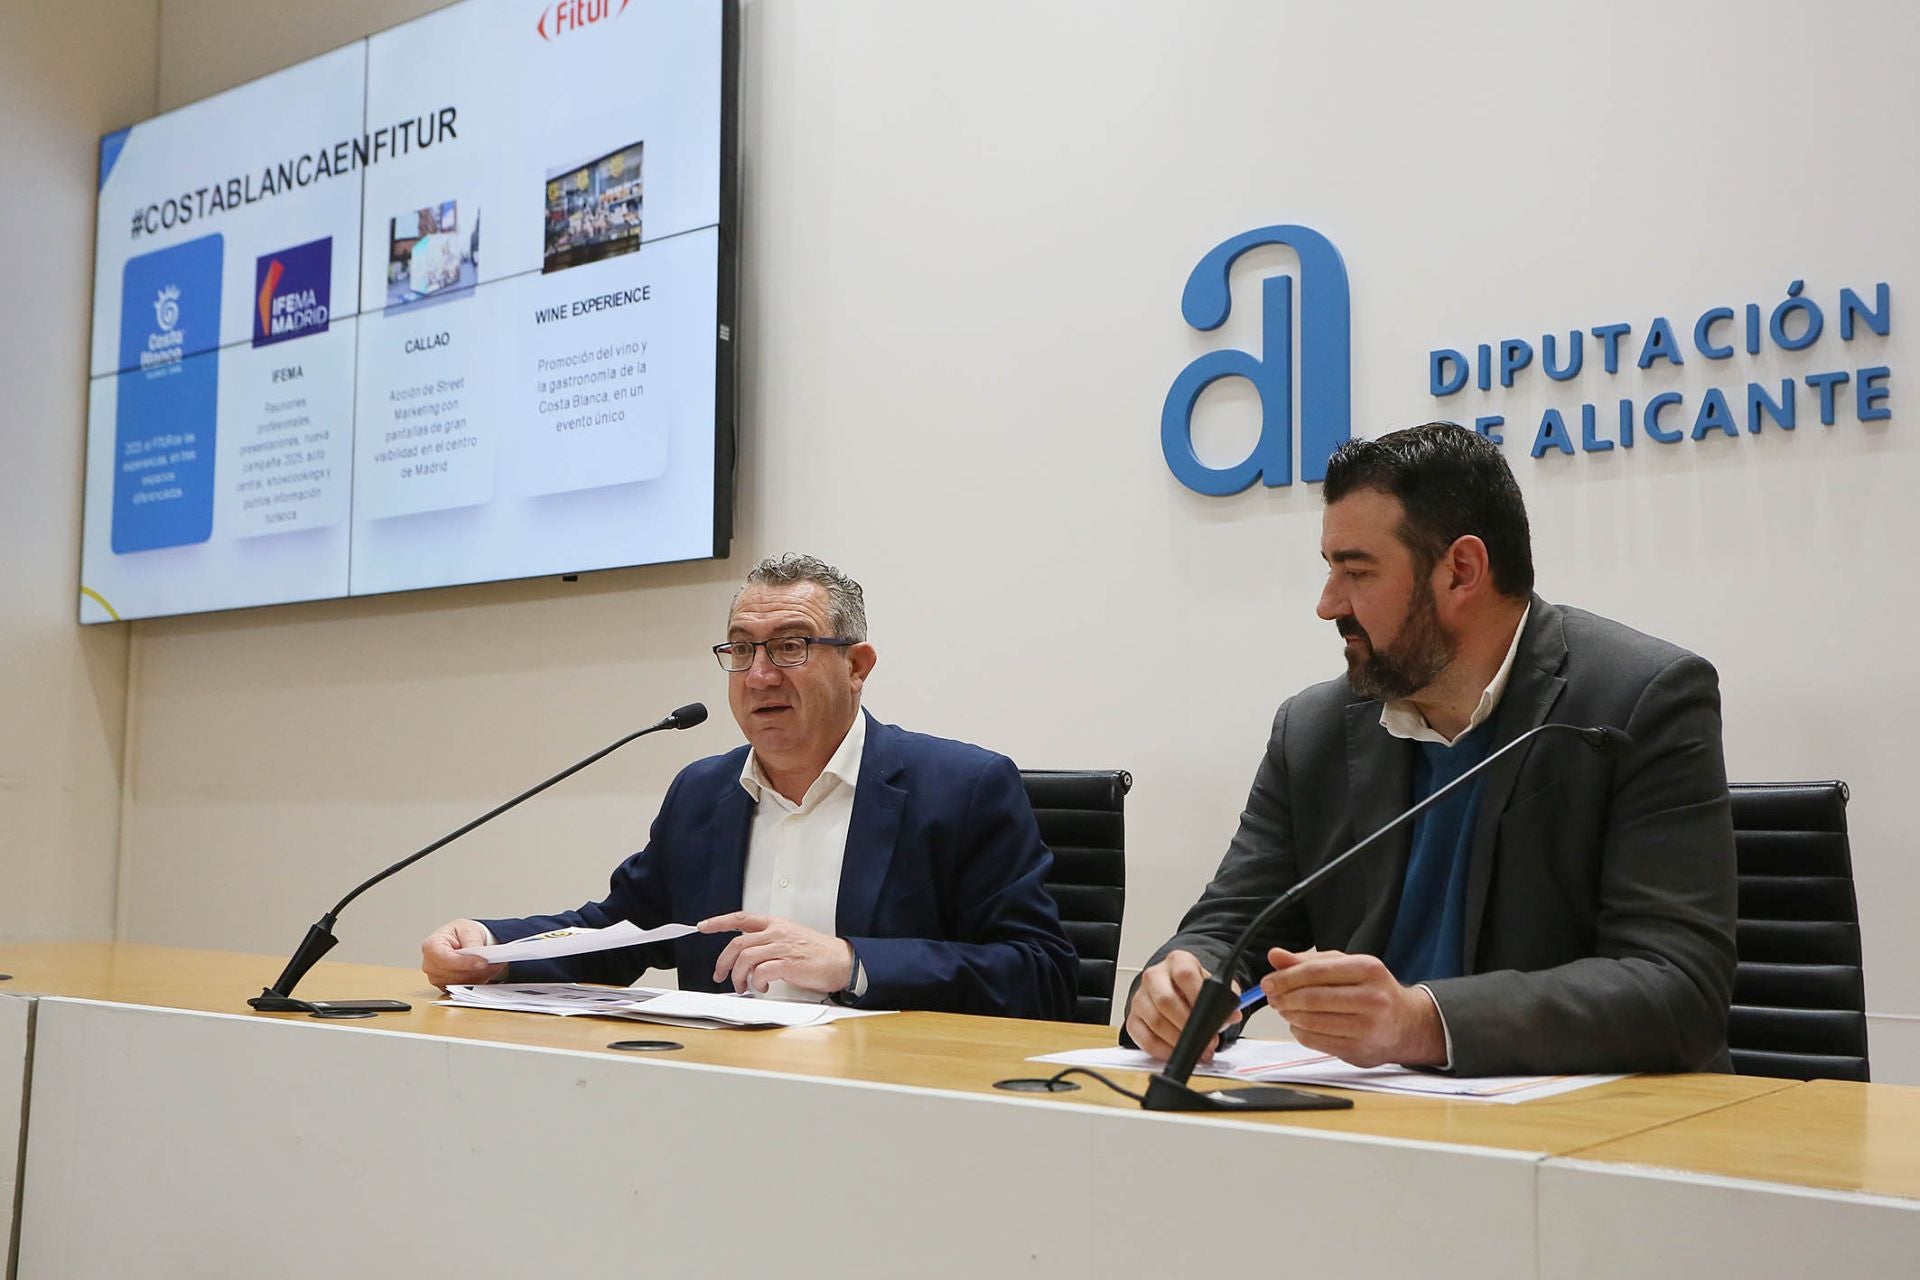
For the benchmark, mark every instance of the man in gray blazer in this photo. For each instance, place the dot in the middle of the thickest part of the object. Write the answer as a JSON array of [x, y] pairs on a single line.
[[1561, 913]]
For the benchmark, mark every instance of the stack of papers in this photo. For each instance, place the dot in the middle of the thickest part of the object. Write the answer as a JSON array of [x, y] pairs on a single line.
[[1284, 1062], [646, 1004]]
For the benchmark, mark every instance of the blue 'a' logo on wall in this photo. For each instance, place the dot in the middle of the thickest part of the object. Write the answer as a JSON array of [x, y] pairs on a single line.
[[1326, 409]]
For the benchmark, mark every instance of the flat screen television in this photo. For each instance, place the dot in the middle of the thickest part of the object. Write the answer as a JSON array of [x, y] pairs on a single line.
[[451, 304]]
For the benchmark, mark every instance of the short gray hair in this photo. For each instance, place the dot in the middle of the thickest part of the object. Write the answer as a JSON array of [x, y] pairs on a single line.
[[846, 602]]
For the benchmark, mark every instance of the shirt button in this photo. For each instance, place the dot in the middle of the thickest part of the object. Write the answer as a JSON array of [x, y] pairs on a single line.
[[783, 882]]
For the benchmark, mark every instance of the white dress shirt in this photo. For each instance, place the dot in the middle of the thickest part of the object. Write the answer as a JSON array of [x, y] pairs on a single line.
[[794, 851], [1403, 720]]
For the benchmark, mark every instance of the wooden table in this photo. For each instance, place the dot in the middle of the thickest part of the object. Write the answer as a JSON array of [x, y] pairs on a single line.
[[749, 1142], [923, 1050], [1819, 1179], [1831, 1134]]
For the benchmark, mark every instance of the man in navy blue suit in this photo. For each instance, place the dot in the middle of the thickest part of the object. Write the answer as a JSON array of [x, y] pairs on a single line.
[[834, 857]]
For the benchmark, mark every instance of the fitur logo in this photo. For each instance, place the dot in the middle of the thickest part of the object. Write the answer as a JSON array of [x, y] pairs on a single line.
[[1326, 396], [572, 15]]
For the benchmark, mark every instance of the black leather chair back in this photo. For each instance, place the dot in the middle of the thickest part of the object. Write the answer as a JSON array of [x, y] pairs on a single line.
[[1799, 996], [1082, 819]]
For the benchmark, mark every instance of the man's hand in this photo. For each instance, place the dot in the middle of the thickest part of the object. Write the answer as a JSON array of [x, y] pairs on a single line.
[[1351, 1007], [770, 949], [444, 958], [1162, 1002]]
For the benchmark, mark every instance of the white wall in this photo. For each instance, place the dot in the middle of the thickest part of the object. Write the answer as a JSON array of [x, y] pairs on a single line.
[[966, 228], [68, 73]]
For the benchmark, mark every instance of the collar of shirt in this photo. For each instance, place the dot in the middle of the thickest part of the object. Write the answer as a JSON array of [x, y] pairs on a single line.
[[1403, 720], [843, 770]]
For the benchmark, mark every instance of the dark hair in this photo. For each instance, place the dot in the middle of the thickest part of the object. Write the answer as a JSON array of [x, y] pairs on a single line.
[[1452, 482], [846, 602]]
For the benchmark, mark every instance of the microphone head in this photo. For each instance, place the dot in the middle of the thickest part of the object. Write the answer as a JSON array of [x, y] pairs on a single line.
[[688, 716], [1607, 740]]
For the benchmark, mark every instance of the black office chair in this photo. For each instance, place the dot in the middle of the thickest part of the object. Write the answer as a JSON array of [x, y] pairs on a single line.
[[1082, 819], [1799, 996]]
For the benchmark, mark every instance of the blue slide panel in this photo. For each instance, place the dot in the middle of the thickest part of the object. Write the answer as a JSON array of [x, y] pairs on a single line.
[[169, 388]]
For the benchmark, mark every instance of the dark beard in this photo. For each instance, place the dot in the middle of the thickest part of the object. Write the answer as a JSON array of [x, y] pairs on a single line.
[[1415, 658]]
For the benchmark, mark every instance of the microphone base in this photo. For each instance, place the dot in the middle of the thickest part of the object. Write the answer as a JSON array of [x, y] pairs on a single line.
[[271, 1001], [1167, 1094]]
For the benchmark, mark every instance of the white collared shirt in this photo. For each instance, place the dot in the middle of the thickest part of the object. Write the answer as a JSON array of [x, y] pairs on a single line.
[[1403, 720], [795, 851]]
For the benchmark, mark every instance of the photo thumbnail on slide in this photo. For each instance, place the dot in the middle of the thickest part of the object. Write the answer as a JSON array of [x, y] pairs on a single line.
[[430, 255], [593, 209]]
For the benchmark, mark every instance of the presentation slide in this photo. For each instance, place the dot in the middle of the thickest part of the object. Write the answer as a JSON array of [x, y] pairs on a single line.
[[442, 306]]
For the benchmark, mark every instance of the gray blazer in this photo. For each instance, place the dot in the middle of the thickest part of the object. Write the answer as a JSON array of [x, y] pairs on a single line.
[[1600, 895]]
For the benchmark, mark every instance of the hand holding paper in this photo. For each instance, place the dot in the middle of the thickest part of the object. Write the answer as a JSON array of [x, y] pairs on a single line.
[[450, 955]]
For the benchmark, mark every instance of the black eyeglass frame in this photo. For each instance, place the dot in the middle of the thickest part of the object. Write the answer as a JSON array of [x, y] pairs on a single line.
[[720, 651]]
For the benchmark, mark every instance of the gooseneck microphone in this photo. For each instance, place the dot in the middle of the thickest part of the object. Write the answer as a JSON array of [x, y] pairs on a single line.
[[1169, 1091], [278, 998]]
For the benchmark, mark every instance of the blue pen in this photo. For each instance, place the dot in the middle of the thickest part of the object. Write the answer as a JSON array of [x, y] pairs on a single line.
[[1250, 1000]]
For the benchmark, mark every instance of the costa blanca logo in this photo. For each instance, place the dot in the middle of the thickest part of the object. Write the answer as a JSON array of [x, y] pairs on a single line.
[[292, 291], [1326, 408], [166, 346], [572, 15], [166, 307]]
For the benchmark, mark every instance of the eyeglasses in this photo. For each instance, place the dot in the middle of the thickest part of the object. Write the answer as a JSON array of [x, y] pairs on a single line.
[[782, 651]]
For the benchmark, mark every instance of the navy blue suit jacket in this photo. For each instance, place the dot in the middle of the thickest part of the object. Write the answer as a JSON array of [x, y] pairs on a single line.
[[941, 889]]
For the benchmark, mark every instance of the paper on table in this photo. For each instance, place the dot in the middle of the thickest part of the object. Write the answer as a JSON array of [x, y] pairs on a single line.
[[1240, 1052], [579, 941], [1284, 1062], [744, 1010], [645, 1004]]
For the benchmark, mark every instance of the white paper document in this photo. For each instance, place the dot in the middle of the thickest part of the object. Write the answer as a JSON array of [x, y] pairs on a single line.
[[579, 941], [1284, 1062], [646, 1004]]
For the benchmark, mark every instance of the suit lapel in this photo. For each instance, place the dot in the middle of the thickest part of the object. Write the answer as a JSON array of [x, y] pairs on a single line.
[[1533, 686], [718, 854], [873, 829], [1380, 782]]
